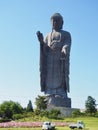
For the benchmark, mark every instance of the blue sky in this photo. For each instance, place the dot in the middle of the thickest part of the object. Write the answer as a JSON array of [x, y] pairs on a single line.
[[19, 47]]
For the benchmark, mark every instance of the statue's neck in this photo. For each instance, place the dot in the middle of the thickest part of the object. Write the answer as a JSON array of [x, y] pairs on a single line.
[[56, 30]]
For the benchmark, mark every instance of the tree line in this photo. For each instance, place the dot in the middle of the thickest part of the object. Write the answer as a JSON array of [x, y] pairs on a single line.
[[10, 110]]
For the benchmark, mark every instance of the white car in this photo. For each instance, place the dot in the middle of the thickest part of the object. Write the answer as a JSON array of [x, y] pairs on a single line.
[[79, 125], [48, 126]]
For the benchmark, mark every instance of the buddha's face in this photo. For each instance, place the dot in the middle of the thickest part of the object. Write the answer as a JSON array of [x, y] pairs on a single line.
[[56, 23]]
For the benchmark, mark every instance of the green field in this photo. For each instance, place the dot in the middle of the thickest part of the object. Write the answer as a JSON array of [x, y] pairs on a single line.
[[91, 123], [58, 128]]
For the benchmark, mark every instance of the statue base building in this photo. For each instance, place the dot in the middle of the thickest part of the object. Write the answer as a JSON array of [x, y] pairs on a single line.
[[58, 101], [65, 111]]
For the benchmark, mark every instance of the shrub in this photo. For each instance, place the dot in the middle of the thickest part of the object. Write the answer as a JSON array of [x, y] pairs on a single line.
[[76, 113], [17, 116], [54, 114], [37, 111], [44, 113]]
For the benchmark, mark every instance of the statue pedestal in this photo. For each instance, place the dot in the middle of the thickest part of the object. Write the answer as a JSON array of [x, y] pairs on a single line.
[[65, 111], [58, 101]]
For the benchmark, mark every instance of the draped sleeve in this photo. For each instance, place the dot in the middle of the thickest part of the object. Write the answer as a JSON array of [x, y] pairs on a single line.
[[66, 57], [43, 64]]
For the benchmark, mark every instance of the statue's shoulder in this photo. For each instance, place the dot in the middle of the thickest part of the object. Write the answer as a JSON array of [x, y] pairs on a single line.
[[66, 33]]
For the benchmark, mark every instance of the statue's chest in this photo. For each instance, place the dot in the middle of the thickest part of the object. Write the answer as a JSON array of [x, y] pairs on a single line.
[[55, 41], [55, 36]]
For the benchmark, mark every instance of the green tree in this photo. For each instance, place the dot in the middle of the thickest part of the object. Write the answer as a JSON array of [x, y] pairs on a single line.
[[90, 105], [41, 102], [29, 107], [8, 108], [5, 110], [16, 107]]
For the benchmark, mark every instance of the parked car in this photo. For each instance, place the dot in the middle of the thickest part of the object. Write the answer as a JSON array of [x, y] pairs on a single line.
[[48, 126], [79, 125]]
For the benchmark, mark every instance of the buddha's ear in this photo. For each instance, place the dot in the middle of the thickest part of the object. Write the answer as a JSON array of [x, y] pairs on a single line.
[[62, 22]]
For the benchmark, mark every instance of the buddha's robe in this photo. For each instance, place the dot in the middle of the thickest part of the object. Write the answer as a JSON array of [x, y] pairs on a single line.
[[54, 63]]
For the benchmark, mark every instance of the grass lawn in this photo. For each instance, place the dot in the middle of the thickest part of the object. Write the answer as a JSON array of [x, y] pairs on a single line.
[[91, 123], [58, 128]]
